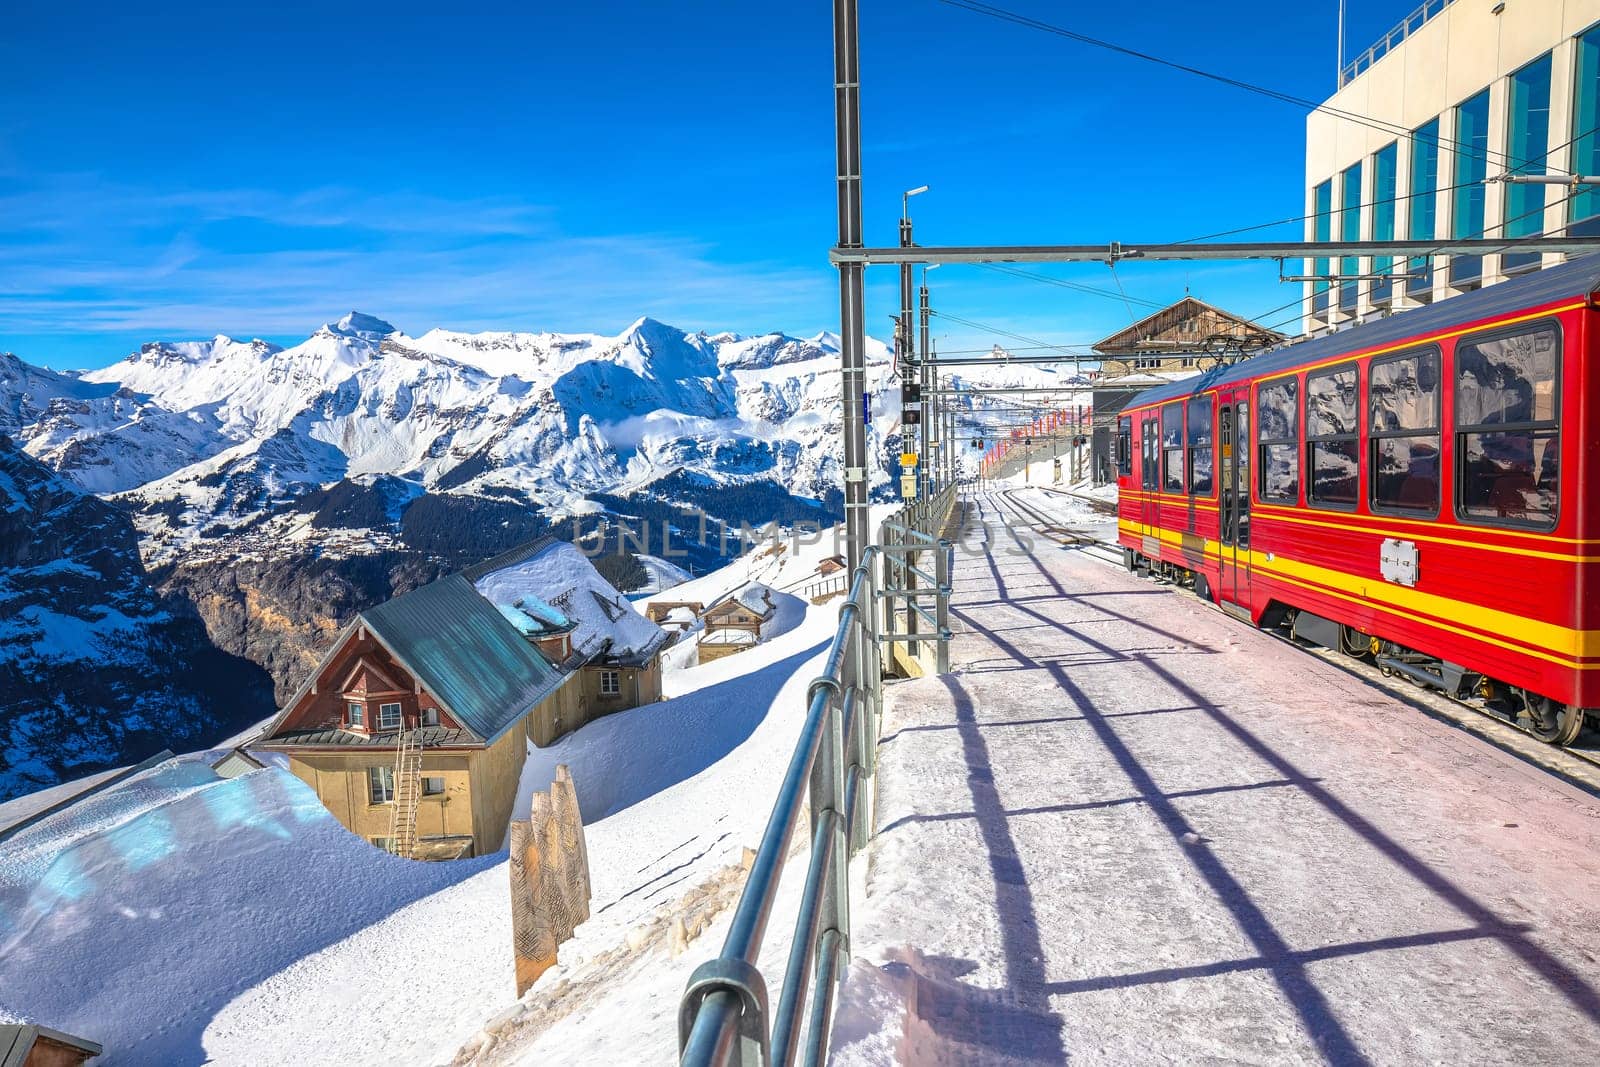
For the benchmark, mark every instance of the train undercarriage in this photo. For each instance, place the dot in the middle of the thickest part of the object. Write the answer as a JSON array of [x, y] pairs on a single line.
[[1547, 719]]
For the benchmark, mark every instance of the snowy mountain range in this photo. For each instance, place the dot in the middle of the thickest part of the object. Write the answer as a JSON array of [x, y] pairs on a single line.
[[212, 434]]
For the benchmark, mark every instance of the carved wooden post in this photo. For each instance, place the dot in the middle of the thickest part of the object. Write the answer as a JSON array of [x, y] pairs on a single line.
[[549, 879]]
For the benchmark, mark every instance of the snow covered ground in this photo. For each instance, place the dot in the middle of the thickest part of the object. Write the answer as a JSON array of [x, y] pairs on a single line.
[[185, 919], [1129, 829], [664, 574]]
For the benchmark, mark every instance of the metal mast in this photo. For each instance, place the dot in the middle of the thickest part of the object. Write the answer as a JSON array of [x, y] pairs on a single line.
[[852, 325]]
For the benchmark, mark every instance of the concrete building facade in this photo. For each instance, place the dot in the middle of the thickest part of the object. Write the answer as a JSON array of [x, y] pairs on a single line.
[[1459, 94]]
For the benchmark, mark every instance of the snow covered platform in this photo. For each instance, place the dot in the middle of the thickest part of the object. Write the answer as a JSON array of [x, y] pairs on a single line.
[[1130, 829]]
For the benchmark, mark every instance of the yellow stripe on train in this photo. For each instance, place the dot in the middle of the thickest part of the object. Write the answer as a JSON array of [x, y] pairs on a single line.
[[1543, 640]]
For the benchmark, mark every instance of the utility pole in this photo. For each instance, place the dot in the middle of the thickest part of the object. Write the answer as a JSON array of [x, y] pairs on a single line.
[[930, 405], [852, 323], [909, 365]]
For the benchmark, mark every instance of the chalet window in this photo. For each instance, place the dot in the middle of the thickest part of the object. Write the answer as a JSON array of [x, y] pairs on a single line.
[[1172, 448], [1125, 446], [610, 683], [430, 716], [384, 843], [1199, 450], [1403, 424], [380, 784], [1278, 424], [358, 714], [1333, 455], [1507, 430], [388, 716], [432, 787]]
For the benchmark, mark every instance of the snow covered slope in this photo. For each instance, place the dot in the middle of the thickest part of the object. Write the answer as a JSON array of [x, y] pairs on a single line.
[[250, 927]]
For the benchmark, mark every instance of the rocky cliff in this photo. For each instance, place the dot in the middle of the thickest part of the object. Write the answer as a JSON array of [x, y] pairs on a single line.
[[97, 669]]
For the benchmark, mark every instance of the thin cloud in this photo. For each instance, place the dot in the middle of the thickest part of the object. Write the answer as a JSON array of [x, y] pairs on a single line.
[[113, 258]]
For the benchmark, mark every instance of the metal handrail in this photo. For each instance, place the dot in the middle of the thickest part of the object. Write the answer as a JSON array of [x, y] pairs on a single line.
[[1392, 40], [723, 1015]]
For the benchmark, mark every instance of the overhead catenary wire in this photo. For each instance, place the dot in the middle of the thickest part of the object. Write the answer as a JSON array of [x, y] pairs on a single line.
[[1029, 22], [1067, 349], [1395, 129]]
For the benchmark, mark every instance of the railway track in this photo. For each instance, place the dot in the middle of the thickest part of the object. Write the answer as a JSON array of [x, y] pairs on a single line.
[[1104, 507], [1035, 519], [1578, 764]]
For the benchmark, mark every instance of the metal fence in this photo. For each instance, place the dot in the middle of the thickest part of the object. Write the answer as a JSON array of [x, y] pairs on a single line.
[[724, 1016]]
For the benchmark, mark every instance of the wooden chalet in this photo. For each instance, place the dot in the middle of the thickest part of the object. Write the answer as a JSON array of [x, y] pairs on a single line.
[[734, 623], [552, 593], [413, 729], [1174, 342], [665, 612]]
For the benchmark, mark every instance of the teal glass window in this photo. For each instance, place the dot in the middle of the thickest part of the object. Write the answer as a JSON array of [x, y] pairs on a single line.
[[1584, 208], [1321, 230], [1383, 194], [1424, 200], [1471, 152], [1527, 145], [1349, 230]]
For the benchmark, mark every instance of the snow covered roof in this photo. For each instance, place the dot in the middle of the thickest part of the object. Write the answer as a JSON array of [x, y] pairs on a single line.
[[754, 597], [559, 577], [534, 618]]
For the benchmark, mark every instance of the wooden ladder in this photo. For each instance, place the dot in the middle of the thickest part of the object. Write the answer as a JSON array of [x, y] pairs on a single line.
[[407, 794]]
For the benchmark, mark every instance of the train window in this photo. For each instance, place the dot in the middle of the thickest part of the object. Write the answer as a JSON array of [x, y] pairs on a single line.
[[1507, 431], [1200, 451], [1125, 446], [1172, 448], [1403, 426], [1148, 452], [1333, 454], [1278, 424]]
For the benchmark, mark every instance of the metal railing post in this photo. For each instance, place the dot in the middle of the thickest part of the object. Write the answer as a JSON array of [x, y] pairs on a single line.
[[941, 569]]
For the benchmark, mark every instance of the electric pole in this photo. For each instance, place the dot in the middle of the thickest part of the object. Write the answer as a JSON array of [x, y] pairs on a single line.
[[930, 401], [909, 365], [852, 324]]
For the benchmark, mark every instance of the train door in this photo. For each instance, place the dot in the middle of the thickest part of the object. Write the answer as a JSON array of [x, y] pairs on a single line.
[[1234, 432], [1149, 476]]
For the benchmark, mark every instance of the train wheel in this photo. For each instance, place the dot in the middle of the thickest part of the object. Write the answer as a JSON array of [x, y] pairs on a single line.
[[1550, 721], [1353, 642]]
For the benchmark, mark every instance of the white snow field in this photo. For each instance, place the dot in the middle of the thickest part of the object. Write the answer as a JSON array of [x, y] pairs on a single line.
[[183, 919], [1129, 829]]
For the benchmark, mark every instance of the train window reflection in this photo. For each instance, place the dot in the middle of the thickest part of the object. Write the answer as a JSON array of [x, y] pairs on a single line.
[[1332, 447], [1403, 424], [1200, 459], [1278, 423], [1507, 430], [1172, 448]]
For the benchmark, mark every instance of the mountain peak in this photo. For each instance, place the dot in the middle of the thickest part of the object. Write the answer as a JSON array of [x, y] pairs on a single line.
[[357, 324]]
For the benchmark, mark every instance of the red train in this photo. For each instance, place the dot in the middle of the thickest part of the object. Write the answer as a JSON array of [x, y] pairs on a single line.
[[1418, 490]]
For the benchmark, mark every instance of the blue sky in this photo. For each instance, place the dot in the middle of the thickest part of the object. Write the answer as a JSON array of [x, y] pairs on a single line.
[[259, 170]]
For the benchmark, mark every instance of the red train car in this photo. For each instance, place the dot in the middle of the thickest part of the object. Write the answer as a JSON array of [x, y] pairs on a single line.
[[1418, 490]]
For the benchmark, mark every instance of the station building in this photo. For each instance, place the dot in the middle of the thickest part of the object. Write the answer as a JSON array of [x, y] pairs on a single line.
[[1461, 92]]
